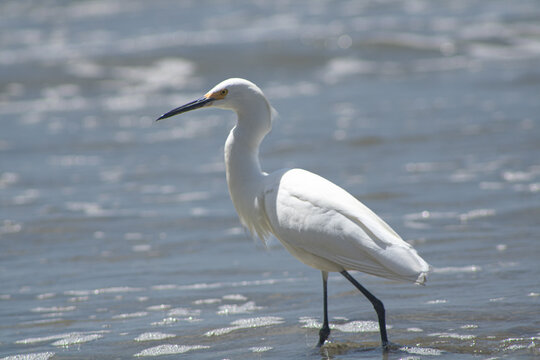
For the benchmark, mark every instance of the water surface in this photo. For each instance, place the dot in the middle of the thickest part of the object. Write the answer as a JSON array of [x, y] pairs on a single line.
[[117, 235]]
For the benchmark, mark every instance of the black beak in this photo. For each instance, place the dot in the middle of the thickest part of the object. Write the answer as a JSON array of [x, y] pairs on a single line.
[[187, 107]]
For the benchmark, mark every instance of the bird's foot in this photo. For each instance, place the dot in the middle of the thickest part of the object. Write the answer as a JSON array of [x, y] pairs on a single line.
[[323, 335], [390, 346]]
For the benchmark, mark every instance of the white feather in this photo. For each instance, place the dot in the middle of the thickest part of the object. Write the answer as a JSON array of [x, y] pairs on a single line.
[[329, 229], [317, 221]]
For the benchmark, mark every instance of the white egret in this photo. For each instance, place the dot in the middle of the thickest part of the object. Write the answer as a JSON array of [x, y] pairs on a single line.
[[318, 222]]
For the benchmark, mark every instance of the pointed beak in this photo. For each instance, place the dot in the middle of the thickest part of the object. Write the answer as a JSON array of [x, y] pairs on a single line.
[[199, 103]]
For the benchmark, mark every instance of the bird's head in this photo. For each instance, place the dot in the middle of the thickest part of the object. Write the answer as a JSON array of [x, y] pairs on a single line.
[[232, 94]]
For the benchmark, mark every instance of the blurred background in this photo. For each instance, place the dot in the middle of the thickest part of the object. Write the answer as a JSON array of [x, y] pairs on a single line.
[[117, 235]]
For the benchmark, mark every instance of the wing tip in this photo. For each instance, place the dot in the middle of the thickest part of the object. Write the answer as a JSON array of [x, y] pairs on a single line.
[[422, 277]]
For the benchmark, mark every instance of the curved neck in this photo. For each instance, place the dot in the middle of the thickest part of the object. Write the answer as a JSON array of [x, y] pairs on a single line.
[[243, 168], [254, 121], [241, 156]]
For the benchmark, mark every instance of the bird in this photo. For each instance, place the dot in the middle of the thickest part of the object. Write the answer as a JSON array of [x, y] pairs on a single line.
[[318, 222]]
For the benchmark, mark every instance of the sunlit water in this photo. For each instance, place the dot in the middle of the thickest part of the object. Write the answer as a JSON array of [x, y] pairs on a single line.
[[117, 236]]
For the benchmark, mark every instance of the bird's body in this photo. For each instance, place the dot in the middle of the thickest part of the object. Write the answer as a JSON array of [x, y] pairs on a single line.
[[339, 233], [318, 222]]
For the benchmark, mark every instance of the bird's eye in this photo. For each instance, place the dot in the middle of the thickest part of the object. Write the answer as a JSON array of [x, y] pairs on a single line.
[[218, 94]]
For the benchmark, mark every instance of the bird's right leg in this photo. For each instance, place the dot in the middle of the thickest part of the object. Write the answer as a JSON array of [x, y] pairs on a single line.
[[325, 330]]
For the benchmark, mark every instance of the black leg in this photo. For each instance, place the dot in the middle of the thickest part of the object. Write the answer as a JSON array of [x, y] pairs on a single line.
[[377, 305], [325, 330]]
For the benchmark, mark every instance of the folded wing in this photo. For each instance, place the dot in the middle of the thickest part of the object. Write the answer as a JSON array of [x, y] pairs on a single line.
[[326, 227]]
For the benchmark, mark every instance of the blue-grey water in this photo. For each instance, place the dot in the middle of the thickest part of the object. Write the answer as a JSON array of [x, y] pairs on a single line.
[[117, 235]]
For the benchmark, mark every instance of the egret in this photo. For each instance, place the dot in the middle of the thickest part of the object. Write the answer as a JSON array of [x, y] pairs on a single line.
[[318, 222]]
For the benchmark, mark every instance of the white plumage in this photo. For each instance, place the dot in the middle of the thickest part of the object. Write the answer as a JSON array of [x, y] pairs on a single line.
[[318, 222], [311, 215]]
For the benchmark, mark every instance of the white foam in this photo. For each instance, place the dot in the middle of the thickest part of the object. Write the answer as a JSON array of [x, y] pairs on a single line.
[[238, 309], [55, 309], [218, 285], [420, 220], [516, 347], [152, 336], [519, 176], [258, 321], [169, 349], [26, 197], [260, 349], [246, 324], [463, 175], [165, 73], [184, 312], [309, 322], [415, 350], [45, 296], [8, 178], [85, 10], [76, 339], [72, 336], [74, 160], [340, 67], [221, 331], [167, 321], [77, 292], [158, 307], [207, 301], [356, 326], [88, 208], [113, 175], [10, 227], [158, 189], [423, 167], [501, 247], [130, 315], [164, 287], [425, 215], [453, 336], [42, 339], [436, 301], [84, 68], [116, 289], [416, 225], [65, 338], [141, 248], [31, 356], [133, 236], [43, 321], [235, 297], [476, 213], [78, 298]]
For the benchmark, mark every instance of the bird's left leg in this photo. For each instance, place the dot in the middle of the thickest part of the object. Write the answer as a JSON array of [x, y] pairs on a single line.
[[325, 330], [377, 305]]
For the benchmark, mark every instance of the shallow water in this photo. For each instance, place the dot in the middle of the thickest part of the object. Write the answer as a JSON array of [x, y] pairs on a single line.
[[117, 235]]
